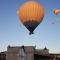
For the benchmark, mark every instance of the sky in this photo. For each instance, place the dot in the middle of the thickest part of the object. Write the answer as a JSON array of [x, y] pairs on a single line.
[[14, 33]]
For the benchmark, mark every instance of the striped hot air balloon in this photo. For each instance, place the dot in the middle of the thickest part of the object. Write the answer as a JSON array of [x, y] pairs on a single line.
[[31, 14]]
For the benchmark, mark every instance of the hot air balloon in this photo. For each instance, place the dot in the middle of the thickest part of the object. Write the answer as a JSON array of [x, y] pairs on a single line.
[[31, 14], [56, 11]]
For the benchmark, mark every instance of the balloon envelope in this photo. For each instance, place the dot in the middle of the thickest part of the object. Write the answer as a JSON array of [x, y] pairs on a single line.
[[31, 14], [56, 11]]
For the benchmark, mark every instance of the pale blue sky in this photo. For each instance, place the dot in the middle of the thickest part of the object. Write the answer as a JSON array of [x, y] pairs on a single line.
[[12, 32]]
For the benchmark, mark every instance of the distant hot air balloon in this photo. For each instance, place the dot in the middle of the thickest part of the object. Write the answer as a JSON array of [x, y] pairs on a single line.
[[31, 14], [56, 11]]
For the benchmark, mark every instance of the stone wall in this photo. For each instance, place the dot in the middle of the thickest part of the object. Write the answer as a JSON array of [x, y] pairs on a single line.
[[20, 53]]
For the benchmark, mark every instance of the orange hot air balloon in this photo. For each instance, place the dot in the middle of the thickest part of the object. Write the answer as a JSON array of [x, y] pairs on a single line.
[[31, 14], [56, 11]]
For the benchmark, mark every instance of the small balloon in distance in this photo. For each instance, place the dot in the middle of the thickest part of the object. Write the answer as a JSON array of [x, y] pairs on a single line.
[[56, 11]]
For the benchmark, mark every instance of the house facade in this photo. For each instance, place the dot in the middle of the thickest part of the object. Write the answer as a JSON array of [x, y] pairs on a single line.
[[27, 53]]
